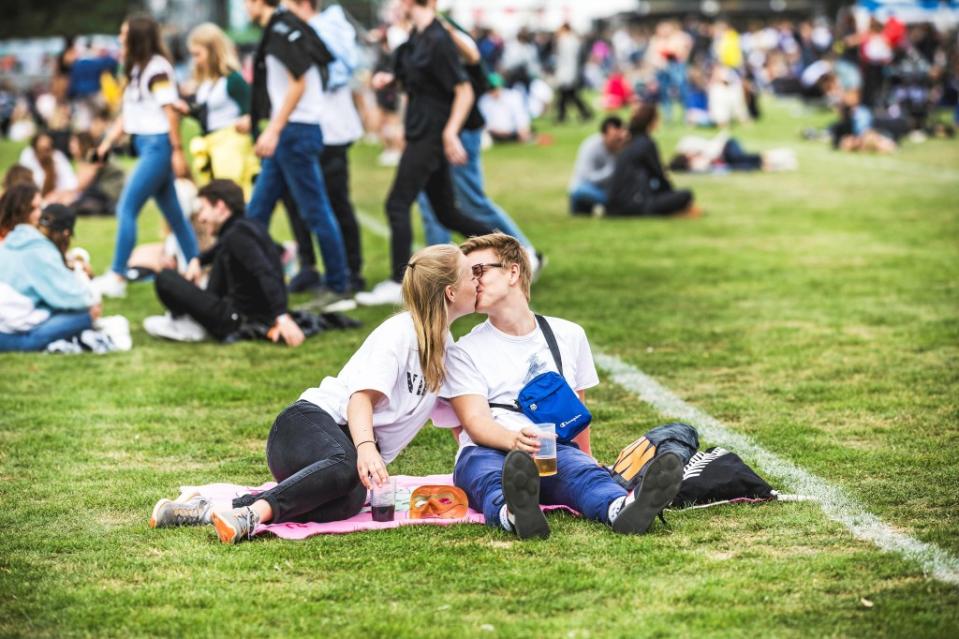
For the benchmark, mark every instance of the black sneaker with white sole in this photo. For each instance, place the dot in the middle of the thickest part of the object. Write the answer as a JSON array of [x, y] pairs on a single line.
[[521, 490], [659, 484]]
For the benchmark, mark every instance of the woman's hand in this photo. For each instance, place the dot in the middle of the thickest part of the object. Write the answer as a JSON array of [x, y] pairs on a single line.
[[193, 271], [525, 440], [370, 465], [243, 124], [178, 160]]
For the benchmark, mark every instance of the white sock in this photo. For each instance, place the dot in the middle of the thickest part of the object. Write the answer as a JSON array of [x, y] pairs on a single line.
[[506, 519], [614, 507]]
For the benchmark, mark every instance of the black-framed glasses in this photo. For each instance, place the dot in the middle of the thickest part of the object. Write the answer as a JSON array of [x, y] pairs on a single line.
[[479, 269]]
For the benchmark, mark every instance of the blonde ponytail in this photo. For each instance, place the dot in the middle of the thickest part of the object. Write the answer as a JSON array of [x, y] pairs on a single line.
[[428, 273]]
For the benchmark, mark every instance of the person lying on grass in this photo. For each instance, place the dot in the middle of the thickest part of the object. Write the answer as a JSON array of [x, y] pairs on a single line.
[[334, 443], [487, 368]]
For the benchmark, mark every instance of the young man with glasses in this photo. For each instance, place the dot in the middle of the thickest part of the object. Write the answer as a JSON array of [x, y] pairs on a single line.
[[489, 366]]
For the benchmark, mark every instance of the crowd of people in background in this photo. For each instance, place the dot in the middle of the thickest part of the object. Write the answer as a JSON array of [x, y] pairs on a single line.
[[277, 122]]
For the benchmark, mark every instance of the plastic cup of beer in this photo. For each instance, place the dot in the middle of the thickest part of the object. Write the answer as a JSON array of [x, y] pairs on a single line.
[[545, 457], [383, 500]]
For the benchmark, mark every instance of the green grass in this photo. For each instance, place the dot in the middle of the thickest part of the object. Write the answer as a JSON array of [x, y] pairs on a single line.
[[816, 311]]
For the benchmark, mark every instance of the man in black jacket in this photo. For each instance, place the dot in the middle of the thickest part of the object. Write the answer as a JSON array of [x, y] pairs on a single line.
[[245, 284]]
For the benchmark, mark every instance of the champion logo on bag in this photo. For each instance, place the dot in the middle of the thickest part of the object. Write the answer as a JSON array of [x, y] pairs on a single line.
[[697, 464], [569, 421]]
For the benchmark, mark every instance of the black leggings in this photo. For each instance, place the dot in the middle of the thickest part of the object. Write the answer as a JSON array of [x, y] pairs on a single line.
[[314, 460], [423, 167]]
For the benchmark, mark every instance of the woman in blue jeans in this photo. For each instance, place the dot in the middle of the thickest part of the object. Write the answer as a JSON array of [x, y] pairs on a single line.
[[150, 117], [41, 300], [330, 446]]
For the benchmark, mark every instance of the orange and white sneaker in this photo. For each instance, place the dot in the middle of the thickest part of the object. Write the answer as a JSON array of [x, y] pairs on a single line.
[[233, 526]]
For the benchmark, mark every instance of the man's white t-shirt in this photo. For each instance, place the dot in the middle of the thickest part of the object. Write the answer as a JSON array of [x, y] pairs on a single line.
[[149, 90], [388, 362], [309, 109], [496, 366]]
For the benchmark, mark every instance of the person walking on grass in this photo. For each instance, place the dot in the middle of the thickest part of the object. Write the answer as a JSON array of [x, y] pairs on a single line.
[[440, 96], [149, 115], [288, 71], [487, 368], [341, 127], [335, 442], [468, 188]]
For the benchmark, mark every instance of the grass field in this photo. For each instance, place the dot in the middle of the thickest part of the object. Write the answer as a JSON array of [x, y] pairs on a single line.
[[816, 312]]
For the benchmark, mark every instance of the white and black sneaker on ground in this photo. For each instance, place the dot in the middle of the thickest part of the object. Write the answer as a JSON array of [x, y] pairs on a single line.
[[655, 491], [178, 329], [521, 490], [109, 285]]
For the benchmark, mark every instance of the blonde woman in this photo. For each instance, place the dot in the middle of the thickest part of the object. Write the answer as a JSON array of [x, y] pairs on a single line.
[[334, 443], [222, 106]]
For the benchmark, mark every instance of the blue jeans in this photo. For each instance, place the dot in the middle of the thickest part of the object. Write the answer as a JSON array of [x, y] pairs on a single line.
[[295, 167], [470, 197], [579, 482], [151, 177], [584, 196], [672, 85], [57, 326]]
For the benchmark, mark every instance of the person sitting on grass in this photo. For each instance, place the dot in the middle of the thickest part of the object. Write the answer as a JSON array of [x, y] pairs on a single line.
[[245, 283], [639, 185], [33, 273], [507, 119], [486, 370], [335, 442], [695, 154], [594, 166]]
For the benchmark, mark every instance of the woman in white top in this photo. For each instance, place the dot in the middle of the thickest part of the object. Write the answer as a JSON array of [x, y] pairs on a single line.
[[51, 169], [222, 106], [150, 117], [326, 449]]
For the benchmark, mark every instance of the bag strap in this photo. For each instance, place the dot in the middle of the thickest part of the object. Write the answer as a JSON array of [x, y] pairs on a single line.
[[553, 349], [551, 342]]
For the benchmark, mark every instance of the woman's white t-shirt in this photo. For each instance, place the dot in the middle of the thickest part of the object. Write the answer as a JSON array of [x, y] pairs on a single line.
[[66, 178], [387, 362], [221, 110], [147, 92]]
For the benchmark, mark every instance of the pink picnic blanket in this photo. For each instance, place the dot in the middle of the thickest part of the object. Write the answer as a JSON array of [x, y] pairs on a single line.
[[221, 494]]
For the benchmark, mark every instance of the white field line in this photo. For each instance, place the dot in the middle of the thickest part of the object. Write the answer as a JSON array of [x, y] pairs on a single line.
[[835, 503]]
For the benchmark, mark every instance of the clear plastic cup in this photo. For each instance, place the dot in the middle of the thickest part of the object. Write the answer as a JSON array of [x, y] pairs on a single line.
[[545, 457], [383, 500]]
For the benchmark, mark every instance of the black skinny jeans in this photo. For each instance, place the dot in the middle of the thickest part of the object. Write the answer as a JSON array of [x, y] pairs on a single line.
[[423, 167], [335, 165], [181, 297], [314, 460]]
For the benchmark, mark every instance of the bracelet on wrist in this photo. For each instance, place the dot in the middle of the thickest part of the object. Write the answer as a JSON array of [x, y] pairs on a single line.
[[368, 441]]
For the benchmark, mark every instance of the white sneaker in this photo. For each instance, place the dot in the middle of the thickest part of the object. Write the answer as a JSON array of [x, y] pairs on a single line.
[[178, 329], [386, 292], [109, 285], [389, 158]]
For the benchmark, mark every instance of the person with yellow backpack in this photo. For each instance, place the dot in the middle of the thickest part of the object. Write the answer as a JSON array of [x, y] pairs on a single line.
[[222, 106]]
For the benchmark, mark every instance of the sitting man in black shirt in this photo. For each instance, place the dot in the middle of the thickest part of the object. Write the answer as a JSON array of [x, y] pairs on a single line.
[[245, 284]]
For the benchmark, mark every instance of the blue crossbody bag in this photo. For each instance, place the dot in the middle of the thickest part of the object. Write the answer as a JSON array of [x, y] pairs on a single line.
[[548, 398]]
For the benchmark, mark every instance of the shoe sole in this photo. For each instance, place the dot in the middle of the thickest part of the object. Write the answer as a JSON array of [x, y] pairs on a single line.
[[658, 487], [224, 530], [631, 462], [521, 490], [156, 508]]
